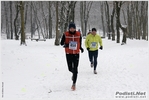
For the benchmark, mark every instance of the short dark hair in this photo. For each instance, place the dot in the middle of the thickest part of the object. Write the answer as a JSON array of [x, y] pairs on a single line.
[[94, 29]]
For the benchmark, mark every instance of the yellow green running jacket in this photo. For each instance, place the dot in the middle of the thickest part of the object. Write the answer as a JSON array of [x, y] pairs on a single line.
[[93, 41]]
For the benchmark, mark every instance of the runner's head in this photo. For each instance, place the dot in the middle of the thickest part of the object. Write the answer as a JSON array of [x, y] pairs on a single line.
[[72, 27], [94, 31]]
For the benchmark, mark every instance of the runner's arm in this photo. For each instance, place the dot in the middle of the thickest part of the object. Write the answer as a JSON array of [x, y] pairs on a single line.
[[100, 41], [86, 41], [63, 39], [80, 41]]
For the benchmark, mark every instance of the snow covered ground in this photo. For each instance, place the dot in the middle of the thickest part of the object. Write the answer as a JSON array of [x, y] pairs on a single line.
[[39, 71]]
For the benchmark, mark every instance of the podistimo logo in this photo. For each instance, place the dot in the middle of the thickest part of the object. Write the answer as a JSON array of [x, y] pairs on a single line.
[[137, 94]]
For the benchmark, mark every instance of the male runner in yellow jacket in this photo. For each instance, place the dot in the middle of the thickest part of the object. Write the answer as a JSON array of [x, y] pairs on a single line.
[[92, 44]]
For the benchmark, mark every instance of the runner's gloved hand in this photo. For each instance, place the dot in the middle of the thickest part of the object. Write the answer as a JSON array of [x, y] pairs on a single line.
[[66, 45], [88, 49], [101, 47], [82, 50]]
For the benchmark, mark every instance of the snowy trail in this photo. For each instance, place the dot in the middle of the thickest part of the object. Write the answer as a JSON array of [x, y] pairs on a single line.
[[39, 68]]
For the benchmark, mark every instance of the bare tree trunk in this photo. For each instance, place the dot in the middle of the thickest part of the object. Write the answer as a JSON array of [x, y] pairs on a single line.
[[88, 8], [2, 16], [38, 22], [62, 17], [124, 17], [144, 28], [15, 21], [147, 20], [124, 29], [108, 19], [26, 10], [22, 23], [31, 21], [146, 31], [129, 21], [112, 25], [2, 21], [124, 35], [133, 21], [67, 17], [57, 24], [72, 11], [45, 22], [137, 21], [102, 18], [11, 19], [43, 19], [117, 21], [81, 17], [7, 22], [142, 18], [70, 14], [84, 15], [50, 20]]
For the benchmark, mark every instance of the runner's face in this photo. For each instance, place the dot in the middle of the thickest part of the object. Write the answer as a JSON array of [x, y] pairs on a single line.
[[72, 29], [94, 32]]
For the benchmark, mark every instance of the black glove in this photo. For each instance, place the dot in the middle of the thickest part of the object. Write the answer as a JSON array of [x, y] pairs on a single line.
[[101, 47], [66, 45], [82, 50], [88, 49]]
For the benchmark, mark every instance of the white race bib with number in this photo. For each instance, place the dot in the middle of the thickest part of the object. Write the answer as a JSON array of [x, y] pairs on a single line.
[[73, 45], [93, 44]]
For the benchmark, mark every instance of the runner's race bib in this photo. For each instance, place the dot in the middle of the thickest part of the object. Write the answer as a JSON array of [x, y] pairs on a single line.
[[73, 45], [93, 44]]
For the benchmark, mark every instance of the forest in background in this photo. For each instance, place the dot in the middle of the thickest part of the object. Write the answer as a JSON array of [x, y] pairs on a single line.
[[50, 19]]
